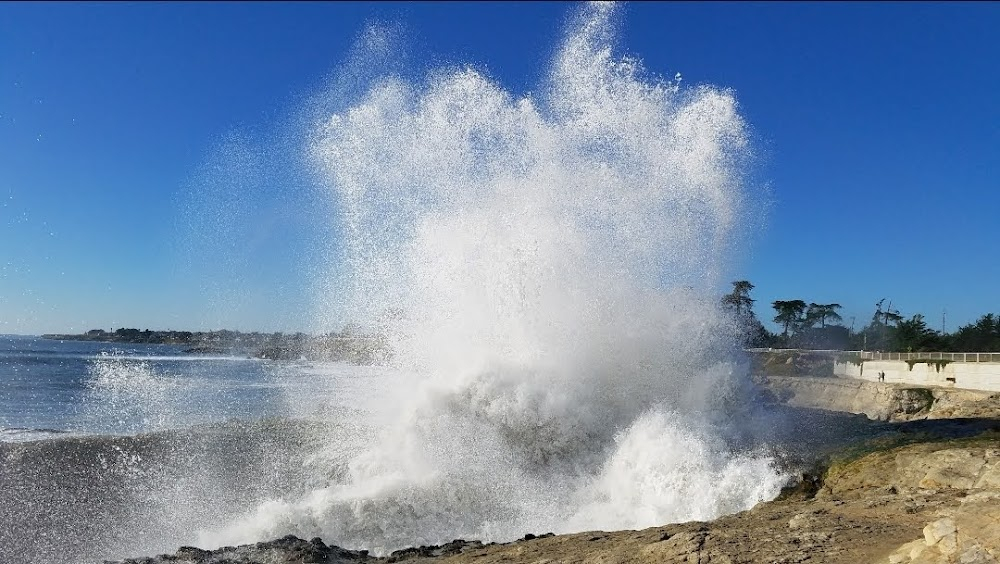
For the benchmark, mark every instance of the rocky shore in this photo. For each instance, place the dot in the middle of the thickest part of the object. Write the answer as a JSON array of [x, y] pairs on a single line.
[[880, 401], [926, 492], [932, 502]]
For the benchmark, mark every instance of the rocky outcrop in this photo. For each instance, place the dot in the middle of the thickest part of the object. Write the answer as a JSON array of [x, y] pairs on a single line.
[[954, 404], [966, 528], [969, 533], [972, 464], [881, 401], [286, 550]]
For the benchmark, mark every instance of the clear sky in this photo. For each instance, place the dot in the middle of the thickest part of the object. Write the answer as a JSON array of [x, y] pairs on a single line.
[[142, 146]]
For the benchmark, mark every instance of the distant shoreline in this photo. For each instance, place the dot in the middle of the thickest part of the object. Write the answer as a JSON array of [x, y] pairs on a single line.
[[127, 336], [344, 346]]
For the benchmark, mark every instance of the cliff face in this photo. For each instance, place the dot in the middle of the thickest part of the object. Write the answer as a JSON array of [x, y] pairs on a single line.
[[880, 401]]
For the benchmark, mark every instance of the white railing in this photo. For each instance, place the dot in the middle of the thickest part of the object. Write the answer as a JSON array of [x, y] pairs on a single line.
[[876, 355], [950, 356], [830, 351]]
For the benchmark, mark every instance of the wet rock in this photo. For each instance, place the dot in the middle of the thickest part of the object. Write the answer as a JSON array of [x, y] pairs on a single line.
[[286, 550]]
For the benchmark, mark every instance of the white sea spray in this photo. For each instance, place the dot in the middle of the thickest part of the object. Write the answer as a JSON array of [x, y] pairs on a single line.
[[545, 271]]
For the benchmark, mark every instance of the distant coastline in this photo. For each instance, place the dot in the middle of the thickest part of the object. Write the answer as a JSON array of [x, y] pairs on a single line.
[[345, 346]]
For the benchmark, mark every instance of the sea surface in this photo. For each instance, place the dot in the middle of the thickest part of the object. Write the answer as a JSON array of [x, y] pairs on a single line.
[[51, 388]]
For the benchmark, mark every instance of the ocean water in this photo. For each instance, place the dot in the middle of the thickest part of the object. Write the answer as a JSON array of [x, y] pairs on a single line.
[[51, 388]]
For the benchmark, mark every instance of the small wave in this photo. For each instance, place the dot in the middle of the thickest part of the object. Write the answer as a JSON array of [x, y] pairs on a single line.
[[24, 434], [184, 358], [132, 393], [57, 356]]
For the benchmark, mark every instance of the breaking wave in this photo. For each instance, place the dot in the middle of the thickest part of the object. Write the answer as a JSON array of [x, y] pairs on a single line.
[[545, 269]]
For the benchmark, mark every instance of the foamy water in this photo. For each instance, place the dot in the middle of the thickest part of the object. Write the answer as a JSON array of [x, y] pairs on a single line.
[[546, 270]]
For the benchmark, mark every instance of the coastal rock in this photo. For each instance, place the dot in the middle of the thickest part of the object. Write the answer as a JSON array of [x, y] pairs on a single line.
[[927, 466], [875, 400], [881, 401], [965, 404], [204, 349], [286, 550], [968, 534]]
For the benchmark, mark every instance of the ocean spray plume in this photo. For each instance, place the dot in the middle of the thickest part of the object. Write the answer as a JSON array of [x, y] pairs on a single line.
[[130, 394], [550, 264]]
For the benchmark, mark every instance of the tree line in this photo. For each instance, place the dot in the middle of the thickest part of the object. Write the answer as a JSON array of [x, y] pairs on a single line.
[[819, 326]]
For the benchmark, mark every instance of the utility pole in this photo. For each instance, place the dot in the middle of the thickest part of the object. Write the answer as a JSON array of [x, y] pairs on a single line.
[[944, 326]]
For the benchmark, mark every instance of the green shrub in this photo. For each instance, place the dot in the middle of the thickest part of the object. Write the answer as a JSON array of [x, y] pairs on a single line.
[[938, 363]]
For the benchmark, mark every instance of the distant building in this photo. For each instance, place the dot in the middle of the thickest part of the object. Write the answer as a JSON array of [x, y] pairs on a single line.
[[96, 333]]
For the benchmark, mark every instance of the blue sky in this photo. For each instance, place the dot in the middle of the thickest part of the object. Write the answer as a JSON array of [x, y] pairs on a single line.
[[876, 127]]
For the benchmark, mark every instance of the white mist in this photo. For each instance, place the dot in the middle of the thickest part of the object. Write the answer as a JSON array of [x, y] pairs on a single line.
[[544, 269]]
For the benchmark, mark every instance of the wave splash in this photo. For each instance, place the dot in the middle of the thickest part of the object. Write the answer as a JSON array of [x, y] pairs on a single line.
[[544, 269], [129, 395]]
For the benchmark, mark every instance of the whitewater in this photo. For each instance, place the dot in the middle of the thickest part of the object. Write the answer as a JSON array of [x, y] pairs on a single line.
[[545, 269]]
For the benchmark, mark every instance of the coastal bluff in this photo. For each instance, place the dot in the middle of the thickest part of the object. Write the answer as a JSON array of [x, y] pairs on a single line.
[[880, 401]]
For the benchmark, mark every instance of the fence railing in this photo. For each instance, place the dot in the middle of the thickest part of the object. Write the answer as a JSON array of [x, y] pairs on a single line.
[[953, 357], [824, 351], [876, 355]]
